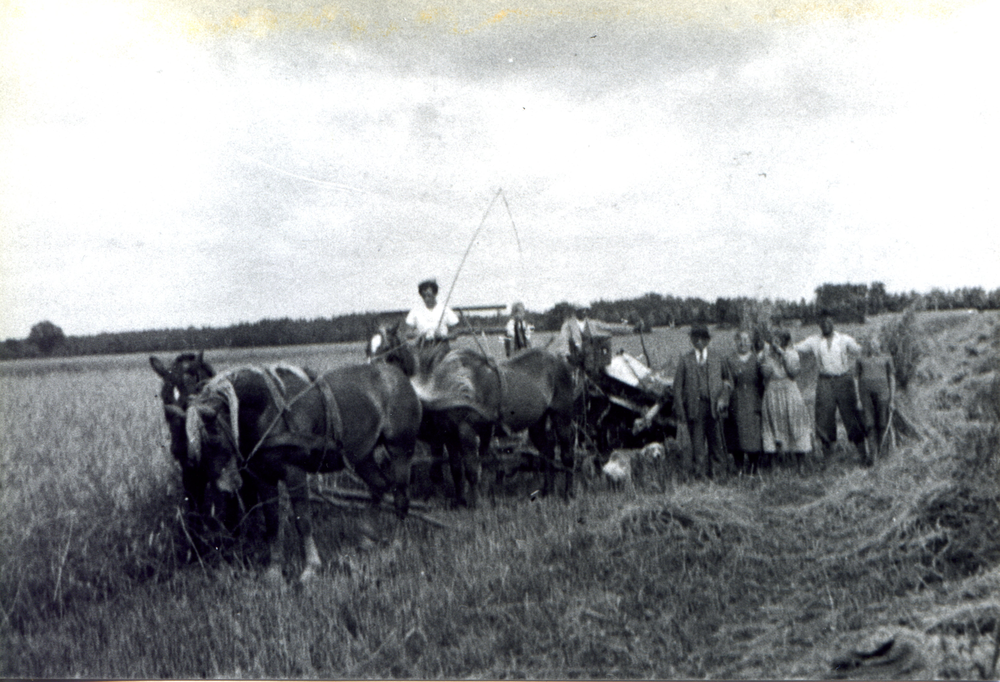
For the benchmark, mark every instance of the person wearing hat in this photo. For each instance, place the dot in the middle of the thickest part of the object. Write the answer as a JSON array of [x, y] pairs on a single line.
[[702, 389]]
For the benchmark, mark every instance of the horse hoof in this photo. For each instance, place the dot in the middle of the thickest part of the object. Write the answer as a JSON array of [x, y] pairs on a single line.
[[309, 574]]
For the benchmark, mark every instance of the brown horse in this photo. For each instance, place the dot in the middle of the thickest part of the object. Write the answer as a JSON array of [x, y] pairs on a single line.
[[183, 378], [210, 521], [255, 427], [466, 395]]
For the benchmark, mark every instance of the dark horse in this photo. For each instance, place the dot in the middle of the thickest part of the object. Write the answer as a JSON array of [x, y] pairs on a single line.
[[250, 428], [466, 395], [183, 379]]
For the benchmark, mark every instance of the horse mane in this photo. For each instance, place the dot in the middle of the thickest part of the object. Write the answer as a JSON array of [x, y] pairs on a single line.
[[218, 391], [452, 382]]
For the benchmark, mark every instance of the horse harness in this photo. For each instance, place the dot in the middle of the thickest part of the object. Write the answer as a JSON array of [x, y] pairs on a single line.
[[332, 439]]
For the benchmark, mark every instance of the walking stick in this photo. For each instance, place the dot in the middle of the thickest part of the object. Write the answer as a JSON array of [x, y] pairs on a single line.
[[859, 417], [888, 426]]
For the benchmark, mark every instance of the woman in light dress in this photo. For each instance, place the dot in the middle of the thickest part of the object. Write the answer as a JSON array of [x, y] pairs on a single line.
[[785, 427]]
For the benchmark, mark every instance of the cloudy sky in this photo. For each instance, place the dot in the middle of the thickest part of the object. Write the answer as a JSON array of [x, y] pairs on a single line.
[[166, 163]]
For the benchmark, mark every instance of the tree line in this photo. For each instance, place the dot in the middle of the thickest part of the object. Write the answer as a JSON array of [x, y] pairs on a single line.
[[847, 302]]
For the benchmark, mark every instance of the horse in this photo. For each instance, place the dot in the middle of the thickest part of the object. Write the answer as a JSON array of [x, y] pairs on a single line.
[[182, 379], [251, 428], [466, 395]]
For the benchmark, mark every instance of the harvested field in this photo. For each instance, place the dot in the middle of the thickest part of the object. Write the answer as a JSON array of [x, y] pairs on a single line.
[[891, 572]]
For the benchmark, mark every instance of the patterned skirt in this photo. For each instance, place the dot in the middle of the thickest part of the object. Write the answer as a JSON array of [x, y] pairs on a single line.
[[784, 418]]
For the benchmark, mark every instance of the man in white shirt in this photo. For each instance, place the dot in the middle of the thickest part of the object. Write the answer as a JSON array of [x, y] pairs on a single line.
[[836, 357], [427, 325], [430, 321], [569, 342]]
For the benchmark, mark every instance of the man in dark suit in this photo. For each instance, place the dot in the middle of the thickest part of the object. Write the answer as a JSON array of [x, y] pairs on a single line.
[[701, 400]]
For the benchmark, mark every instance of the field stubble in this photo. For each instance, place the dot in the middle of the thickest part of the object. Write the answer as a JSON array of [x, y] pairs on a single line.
[[764, 577]]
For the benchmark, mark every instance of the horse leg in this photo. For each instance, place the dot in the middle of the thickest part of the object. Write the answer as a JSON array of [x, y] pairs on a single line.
[[564, 434], [400, 458], [540, 439], [453, 445], [462, 449], [245, 518], [476, 447], [438, 461], [484, 432], [298, 492], [271, 508]]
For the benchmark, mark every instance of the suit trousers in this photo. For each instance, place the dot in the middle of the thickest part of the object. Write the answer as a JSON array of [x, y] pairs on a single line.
[[708, 456]]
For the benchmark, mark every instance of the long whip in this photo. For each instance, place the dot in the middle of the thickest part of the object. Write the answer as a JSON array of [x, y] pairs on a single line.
[[472, 241], [466, 254]]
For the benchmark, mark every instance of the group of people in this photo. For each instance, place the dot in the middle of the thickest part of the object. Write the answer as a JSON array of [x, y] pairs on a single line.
[[745, 410]]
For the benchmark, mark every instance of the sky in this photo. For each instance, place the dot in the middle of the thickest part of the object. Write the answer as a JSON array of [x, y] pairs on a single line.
[[169, 163]]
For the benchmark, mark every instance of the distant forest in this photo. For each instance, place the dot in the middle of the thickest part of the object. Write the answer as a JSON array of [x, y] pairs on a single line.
[[848, 302]]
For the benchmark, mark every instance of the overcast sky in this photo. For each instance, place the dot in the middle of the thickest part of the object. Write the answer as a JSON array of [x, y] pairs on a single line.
[[167, 163]]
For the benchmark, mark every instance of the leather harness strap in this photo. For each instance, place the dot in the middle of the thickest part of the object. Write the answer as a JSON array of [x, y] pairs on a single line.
[[504, 390], [334, 422]]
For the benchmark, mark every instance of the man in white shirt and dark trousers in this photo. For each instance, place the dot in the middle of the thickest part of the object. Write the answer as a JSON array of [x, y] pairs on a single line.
[[836, 356]]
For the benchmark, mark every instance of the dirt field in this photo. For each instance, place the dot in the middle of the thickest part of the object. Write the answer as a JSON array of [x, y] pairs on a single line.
[[775, 576]]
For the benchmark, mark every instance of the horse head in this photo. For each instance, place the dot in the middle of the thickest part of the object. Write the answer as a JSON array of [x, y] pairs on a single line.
[[389, 345], [182, 380]]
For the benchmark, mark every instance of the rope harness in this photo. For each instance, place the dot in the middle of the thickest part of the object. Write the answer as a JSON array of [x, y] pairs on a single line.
[[278, 391]]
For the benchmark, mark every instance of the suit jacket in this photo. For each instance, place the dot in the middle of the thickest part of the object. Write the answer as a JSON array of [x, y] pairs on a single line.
[[686, 396]]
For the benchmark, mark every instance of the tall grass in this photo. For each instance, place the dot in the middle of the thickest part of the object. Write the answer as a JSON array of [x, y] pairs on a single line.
[[86, 492]]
